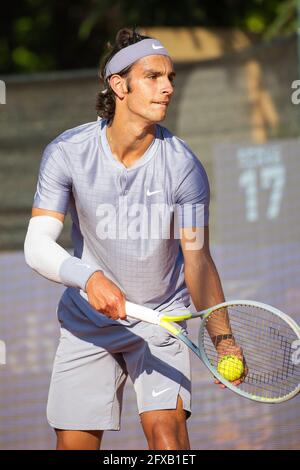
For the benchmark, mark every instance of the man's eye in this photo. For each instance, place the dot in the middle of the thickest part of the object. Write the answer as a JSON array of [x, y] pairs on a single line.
[[152, 76]]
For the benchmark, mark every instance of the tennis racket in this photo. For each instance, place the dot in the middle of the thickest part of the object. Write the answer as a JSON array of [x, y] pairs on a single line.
[[262, 337]]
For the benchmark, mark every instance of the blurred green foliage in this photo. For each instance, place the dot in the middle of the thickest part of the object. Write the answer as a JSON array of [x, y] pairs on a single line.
[[42, 35]]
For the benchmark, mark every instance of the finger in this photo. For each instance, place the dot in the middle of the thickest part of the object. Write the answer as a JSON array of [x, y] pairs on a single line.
[[241, 379], [243, 376], [121, 308], [237, 382], [113, 315], [112, 312], [116, 311], [217, 382]]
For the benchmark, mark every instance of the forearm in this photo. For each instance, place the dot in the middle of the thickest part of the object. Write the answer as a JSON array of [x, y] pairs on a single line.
[[45, 256], [204, 285], [203, 282]]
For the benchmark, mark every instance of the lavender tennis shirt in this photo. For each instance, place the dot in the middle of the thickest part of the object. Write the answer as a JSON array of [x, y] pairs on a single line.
[[125, 220]]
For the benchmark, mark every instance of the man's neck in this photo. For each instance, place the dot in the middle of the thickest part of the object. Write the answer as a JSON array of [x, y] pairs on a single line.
[[129, 142]]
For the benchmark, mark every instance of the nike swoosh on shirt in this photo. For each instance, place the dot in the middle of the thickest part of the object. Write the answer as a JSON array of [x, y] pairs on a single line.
[[157, 47], [149, 193], [156, 394]]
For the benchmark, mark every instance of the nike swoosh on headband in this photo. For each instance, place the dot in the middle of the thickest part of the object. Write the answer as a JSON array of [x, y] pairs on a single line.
[[130, 54]]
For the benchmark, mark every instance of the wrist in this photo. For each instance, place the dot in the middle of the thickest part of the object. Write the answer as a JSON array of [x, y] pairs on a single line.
[[223, 338], [76, 273]]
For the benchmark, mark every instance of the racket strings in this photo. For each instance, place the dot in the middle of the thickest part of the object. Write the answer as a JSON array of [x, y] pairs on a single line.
[[267, 348], [261, 325], [262, 331], [266, 341], [284, 373]]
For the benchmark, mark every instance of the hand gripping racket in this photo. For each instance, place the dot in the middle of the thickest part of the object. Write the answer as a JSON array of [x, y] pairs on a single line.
[[267, 337]]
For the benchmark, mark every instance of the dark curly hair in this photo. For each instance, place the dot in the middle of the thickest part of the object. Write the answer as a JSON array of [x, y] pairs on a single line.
[[106, 99]]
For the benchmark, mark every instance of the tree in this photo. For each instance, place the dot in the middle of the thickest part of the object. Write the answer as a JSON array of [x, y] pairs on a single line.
[[40, 35]]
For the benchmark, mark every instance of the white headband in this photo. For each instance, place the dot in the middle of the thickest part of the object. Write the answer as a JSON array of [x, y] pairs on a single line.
[[130, 54]]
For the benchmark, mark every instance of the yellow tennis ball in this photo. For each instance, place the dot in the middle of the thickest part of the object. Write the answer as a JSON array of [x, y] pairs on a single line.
[[230, 367]]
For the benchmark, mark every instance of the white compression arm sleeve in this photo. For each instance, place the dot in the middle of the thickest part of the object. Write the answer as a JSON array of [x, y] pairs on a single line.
[[49, 259]]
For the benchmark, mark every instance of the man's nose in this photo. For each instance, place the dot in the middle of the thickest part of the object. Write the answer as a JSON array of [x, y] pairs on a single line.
[[168, 88]]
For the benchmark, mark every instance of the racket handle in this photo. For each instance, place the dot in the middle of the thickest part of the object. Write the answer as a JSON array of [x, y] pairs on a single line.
[[142, 313]]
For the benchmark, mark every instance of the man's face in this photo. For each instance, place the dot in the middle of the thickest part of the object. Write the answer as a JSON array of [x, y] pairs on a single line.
[[151, 85]]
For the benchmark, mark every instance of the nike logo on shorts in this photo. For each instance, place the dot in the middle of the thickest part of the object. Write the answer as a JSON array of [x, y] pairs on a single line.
[[157, 47], [156, 394]]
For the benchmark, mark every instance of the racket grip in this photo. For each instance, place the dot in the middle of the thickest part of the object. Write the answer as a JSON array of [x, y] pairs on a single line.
[[142, 313]]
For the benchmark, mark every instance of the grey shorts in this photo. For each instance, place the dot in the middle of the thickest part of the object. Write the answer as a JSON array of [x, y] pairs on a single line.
[[91, 367]]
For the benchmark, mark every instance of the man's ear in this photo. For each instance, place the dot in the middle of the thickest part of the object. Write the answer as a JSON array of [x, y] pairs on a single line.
[[118, 85]]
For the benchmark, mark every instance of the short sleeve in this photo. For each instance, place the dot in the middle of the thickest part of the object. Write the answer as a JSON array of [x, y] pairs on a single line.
[[192, 196], [54, 182]]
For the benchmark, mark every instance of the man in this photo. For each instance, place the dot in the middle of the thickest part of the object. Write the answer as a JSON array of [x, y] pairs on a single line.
[[106, 173]]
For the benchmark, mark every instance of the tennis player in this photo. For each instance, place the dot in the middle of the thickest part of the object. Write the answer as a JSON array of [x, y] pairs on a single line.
[[131, 187]]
